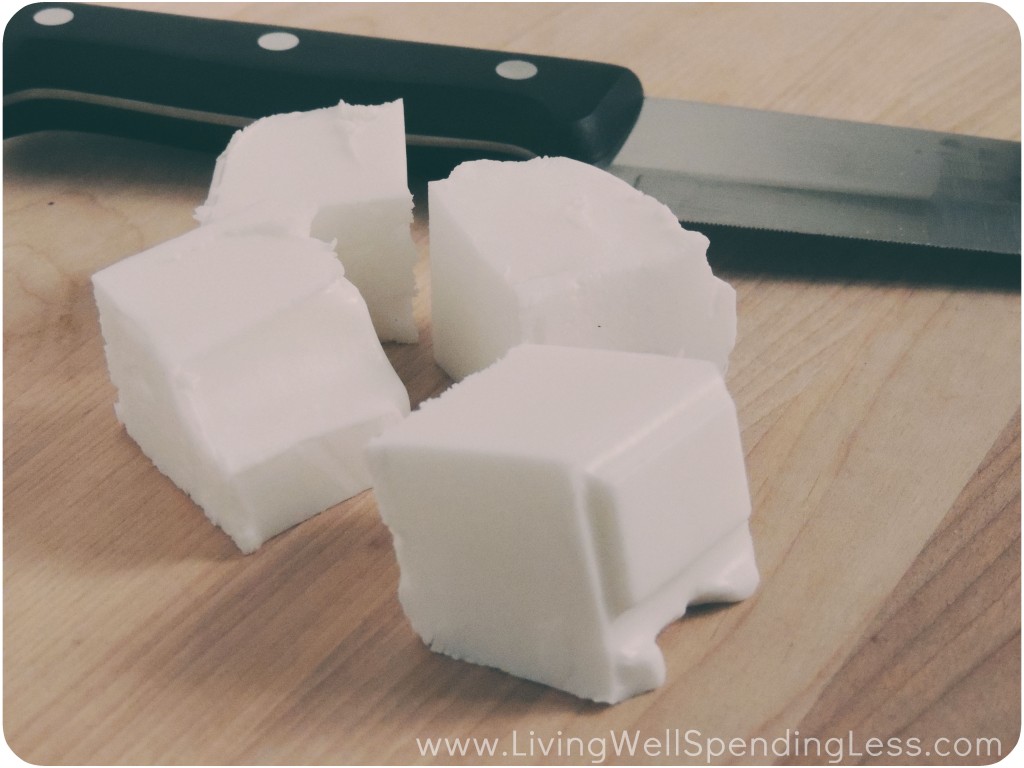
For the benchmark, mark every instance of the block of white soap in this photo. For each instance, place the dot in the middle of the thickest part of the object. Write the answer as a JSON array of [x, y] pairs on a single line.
[[338, 174], [552, 513], [554, 251], [248, 371]]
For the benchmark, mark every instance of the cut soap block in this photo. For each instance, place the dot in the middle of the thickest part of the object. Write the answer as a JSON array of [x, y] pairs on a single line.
[[248, 371], [338, 174], [554, 251], [552, 513]]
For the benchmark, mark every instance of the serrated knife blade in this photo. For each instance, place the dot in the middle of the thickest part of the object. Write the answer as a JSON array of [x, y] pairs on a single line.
[[768, 170]]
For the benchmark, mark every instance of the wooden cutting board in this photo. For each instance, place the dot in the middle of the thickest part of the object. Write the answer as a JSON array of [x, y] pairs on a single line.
[[881, 423]]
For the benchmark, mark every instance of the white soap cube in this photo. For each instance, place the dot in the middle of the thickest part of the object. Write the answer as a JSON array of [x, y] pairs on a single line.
[[338, 174], [554, 251], [248, 371], [552, 513]]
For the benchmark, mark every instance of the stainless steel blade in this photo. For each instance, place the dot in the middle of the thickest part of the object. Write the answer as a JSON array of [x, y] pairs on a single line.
[[766, 170]]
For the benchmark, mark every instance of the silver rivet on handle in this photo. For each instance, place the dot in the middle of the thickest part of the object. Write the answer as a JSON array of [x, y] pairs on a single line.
[[278, 41], [516, 69], [53, 17]]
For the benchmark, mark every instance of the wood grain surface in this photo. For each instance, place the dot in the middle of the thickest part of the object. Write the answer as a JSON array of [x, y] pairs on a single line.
[[881, 424]]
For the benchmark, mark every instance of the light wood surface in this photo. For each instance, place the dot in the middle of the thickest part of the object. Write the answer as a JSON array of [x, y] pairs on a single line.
[[880, 423]]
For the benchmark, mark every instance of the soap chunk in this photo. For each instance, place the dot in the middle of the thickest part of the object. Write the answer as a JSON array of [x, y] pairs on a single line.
[[552, 513], [338, 174], [248, 371], [554, 251]]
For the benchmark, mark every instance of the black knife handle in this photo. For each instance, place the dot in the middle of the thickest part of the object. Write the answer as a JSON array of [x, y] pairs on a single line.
[[192, 82]]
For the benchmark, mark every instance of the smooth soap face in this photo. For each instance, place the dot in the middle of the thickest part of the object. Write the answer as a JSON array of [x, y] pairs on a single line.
[[552, 513], [247, 369], [554, 251], [338, 174]]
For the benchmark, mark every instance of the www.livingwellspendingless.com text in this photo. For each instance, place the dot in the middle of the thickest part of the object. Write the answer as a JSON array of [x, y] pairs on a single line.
[[692, 745]]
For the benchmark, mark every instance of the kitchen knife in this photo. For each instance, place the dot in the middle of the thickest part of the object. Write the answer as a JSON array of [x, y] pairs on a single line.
[[876, 195]]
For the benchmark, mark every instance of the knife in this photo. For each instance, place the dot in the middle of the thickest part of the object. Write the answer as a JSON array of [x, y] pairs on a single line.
[[807, 195]]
